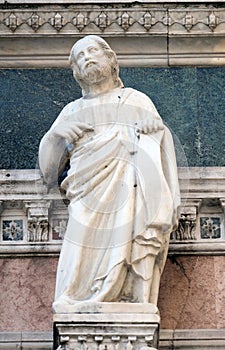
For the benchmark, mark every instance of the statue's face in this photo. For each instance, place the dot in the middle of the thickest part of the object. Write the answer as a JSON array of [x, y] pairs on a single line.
[[88, 54], [93, 65]]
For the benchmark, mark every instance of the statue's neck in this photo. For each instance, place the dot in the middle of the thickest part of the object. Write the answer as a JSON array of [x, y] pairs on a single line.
[[99, 88]]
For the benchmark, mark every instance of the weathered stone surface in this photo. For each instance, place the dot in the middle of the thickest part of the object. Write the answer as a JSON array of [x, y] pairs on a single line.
[[199, 339], [187, 295], [129, 327], [219, 271], [27, 290], [191, 293]]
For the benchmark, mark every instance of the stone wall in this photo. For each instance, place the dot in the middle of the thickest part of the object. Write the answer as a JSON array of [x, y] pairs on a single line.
[[174, 52], [32, 225], [192, 293]]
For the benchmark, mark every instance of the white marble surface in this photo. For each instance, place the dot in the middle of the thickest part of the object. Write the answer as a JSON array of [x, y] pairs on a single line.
[[122, 185], [88, 307]]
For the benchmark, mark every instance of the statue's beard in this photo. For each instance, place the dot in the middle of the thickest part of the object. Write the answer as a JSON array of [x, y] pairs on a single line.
[[95, 73]]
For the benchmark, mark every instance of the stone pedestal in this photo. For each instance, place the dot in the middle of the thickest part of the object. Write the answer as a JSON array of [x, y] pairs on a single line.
[[106, 326]]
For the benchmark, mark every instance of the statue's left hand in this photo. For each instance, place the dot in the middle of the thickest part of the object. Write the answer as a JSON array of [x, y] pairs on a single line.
[[149, 126]]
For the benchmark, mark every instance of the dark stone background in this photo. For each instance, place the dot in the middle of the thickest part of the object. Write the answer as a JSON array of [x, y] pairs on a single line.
[[190, 100]]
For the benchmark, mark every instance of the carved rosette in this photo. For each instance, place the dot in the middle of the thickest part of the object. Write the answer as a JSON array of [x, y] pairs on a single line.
[[12, 22], [213, 21], [35, 22], [102, 21], [58, 21], [80, 21], [125, 21], [210, 227]]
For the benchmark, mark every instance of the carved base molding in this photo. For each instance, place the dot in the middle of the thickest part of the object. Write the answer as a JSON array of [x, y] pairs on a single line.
[[116, 326], [185, 339]]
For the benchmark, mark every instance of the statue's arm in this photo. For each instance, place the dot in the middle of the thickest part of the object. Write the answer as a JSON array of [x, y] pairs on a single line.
[[169, 165], [53, 156], [53, 152]]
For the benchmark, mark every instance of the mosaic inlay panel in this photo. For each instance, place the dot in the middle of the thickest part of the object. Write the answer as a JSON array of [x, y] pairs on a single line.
[[12, 230], [210, 227]]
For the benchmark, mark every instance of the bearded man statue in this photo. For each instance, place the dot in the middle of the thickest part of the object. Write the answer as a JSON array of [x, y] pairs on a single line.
[[122, 185]]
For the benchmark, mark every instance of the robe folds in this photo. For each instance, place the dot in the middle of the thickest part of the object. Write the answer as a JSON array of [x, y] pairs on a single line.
[[123, 190]]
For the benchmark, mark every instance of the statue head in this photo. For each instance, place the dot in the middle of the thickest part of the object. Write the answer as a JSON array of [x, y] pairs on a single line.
[[93, 60]]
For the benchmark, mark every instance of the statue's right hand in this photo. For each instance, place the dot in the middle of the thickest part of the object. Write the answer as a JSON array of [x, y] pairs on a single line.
[[70, 131]]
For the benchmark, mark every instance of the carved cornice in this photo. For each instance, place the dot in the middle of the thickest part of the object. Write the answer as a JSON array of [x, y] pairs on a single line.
[[142, 34], [112, 20], [83, 20]]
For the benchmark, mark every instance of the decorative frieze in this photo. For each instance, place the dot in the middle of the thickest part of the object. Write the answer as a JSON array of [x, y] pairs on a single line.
[[12, 22], [186, 229], [58, 21], [125, 21], [114, 19], [104, 342], [142, 34], [30, 214], [75, 20]]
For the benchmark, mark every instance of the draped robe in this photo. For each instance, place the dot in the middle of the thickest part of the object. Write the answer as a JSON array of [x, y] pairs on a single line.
[[123, 192]]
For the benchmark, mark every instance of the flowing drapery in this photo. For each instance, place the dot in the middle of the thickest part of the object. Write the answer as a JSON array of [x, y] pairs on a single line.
[[123, 193]]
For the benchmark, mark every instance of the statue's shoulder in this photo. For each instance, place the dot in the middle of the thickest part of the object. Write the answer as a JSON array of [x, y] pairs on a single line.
[[137, 96], [67, 112], [69, 109], [71, 106]]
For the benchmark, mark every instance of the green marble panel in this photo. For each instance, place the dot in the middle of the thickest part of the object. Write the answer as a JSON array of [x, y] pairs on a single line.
[[30, 101], [173, 92], [211, 116], [190, 100]]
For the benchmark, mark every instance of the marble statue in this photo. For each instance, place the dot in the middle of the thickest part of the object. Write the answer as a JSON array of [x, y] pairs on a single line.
[[122, 185]]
